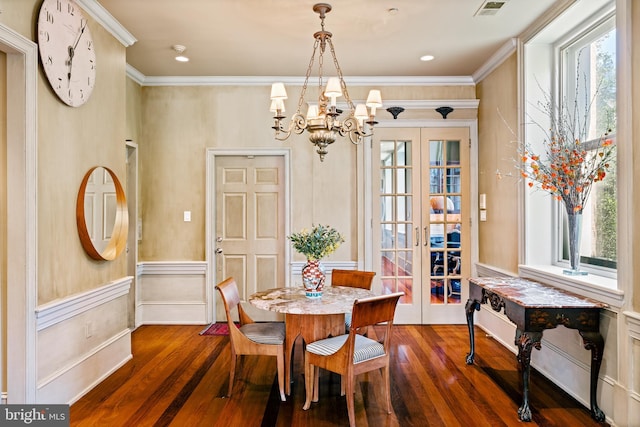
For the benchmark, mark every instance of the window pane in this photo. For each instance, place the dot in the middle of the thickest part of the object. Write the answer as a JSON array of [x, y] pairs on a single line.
[[591, 78]]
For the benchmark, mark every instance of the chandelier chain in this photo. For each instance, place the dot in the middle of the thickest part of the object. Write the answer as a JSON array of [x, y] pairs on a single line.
[[343, 85], [306, 78], [320, 64]]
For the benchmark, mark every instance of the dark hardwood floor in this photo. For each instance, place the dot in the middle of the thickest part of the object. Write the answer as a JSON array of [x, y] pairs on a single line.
[[179, 378]]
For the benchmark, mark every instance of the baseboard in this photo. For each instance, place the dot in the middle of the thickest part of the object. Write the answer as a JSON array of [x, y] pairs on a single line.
[[69, 384]]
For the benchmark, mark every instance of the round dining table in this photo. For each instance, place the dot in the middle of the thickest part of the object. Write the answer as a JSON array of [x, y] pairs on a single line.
[[312, 319]]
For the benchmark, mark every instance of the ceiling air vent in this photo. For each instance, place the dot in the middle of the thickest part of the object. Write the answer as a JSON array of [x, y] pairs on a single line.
[[490, 8]]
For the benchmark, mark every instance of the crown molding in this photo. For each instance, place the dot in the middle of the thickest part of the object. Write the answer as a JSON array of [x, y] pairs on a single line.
[[135, 75], [111, 24], [495, 60], [296, 81]]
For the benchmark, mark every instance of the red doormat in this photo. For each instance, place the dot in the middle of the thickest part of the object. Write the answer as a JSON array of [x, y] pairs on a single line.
[[216, 329]]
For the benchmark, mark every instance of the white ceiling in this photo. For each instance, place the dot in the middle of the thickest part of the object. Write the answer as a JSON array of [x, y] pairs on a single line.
[[275, 37]]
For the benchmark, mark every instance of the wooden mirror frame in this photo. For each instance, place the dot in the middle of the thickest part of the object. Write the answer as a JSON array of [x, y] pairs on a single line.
[[118, 240]]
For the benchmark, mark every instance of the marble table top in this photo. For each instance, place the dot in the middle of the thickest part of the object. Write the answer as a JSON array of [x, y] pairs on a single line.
[[335, 300], [533, 294]]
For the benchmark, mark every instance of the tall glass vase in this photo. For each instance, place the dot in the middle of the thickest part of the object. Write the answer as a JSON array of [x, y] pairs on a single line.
[[575, 231]]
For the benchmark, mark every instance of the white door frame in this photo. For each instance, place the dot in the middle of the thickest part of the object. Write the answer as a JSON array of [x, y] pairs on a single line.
[[133, 235], [21, 256], [210, 210], [368, 222]]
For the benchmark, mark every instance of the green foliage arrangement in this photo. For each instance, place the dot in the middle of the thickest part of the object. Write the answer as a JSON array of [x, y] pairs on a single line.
[[317, 243]]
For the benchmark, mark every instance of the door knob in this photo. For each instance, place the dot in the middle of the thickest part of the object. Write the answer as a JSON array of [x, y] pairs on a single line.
[[218, 250]]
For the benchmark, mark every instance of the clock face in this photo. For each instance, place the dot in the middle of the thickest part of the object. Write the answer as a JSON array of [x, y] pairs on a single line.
[[67, 51]]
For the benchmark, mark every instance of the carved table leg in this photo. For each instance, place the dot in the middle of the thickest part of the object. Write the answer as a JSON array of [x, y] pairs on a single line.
[[526, 341], [593, 341], [470, 307]]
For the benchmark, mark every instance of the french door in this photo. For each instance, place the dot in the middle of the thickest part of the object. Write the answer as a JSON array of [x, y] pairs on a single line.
[[421, 220]]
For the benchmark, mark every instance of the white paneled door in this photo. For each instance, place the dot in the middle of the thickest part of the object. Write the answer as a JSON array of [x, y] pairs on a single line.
[[421, 220], [249, 232]]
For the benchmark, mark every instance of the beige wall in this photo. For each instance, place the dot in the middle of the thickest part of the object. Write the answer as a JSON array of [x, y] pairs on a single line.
[[180, 123], [635, 102], [497, 175], [70, 141]]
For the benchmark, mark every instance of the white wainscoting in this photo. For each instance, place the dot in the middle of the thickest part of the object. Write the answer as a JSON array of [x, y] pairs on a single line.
[[562, 358], [82, 340], [632, 320], [172, 293]]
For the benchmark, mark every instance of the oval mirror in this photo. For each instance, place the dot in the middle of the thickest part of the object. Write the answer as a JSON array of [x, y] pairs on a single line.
[[101, 214]]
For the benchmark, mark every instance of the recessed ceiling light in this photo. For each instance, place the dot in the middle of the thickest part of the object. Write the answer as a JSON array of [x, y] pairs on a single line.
[[426, 58], [179, 50]]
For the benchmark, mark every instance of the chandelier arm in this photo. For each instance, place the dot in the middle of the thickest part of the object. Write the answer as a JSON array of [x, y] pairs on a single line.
[[355, 131], [297, 125]]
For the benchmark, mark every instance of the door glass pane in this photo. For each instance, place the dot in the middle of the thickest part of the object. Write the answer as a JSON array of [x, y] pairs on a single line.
[[404, 208], [453, 153], [404, 180], [405, 238], [396, 217], [445, 221], [386, 208], [387, 152], [436, 180], [435, 153], [388, 236]]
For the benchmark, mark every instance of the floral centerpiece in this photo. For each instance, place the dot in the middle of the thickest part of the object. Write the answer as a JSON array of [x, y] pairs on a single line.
[[568, 167], [315, 244]]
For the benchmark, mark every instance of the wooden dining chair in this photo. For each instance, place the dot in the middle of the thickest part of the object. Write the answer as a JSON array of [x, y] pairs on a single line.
[[264, 339], [352, 279], [352, 354]]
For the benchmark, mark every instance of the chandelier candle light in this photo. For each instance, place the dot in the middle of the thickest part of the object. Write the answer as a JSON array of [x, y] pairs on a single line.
[[321, 120]]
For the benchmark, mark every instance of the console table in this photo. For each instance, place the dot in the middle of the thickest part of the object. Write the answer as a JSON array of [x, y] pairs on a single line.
[[534, 307]]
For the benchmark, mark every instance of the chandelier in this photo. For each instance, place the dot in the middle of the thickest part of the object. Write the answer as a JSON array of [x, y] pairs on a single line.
[[322, 119]]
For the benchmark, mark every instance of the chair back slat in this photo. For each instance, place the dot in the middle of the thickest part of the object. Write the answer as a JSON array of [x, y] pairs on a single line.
[[352, 278], [374, 310]]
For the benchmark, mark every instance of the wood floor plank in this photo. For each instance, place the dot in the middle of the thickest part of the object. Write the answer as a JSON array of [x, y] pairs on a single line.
[[180, 378]]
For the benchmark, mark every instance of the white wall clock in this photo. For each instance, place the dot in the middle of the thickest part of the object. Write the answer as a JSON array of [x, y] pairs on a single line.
[[67, 51]]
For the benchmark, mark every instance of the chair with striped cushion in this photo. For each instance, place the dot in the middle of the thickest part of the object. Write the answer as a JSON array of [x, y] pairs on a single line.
[[251, 338], [353, 279], [352, 354]]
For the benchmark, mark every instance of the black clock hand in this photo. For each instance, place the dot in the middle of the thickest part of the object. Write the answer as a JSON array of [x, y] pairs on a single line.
[[70, 61], [72, 50]]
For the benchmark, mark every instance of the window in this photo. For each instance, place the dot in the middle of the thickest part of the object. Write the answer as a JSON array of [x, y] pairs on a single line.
[[571, 64], [589, 64]]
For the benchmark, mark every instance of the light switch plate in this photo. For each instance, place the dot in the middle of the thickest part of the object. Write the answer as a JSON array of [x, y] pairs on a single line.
[[187, 216]]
